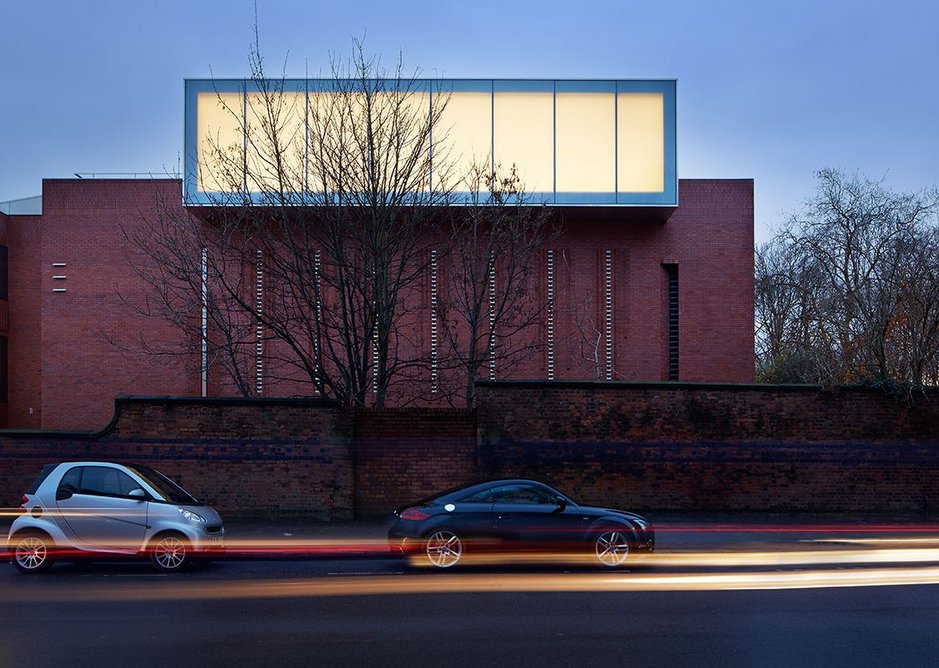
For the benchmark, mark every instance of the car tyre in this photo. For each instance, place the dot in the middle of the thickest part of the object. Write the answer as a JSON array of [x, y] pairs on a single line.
[[170, 553], [611, 547], [31, 552], [444, 548]]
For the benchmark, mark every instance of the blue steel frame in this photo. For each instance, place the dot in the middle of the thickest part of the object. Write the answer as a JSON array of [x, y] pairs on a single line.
[[666, 87]]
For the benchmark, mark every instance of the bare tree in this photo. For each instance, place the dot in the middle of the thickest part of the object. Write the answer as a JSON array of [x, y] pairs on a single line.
[[178, 271], [586, 342], [488, 306], [316, 240], [308, 266], [847, 291]]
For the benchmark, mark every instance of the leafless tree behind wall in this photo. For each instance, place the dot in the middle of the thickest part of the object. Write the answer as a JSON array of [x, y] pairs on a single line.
[[489, 306], [314, 244], [317, 243], [848, 290]]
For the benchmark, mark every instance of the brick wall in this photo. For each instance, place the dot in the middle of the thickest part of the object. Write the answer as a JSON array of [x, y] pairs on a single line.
[[724, 447], [4, 322], [94, 335], [242, 457], [649, 446], [24, 407], [403, 455]]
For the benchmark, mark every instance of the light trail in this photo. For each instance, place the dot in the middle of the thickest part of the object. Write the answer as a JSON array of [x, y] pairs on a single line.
[[176, 589], [837, 552], [866, 558]]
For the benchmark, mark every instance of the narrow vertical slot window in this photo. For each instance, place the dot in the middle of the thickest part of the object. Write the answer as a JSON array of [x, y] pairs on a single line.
[[433, 321], [375, 379], [317, 309], [671, 271], [550, 316], [258, 326], [4, 370], [608, 312], [4, 272], [205, 322], [492, 317]]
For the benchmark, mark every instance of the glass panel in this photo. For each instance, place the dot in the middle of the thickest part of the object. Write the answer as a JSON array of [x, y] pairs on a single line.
[[466, 139], [640, 136], [329, 142], [220, 141], [339, 124], [585, 143], [524, 135], [405, 116], [275, 141]]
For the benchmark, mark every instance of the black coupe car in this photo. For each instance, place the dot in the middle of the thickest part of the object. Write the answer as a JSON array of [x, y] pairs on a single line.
[[515, 516]]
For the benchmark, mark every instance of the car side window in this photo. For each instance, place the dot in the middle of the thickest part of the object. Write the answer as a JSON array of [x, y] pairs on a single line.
[[484, 496], [521, 494], [70, 482], [104, 481]]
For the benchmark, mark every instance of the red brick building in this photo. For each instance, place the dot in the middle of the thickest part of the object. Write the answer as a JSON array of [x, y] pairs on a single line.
[[651, 278], [671, 291]]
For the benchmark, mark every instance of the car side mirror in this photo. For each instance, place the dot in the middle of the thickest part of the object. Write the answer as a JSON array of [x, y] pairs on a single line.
[[562, 502], [138, 494], [64, 492]]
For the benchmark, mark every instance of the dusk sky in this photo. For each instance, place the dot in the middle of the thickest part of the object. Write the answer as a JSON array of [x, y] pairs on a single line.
[[769, 91]]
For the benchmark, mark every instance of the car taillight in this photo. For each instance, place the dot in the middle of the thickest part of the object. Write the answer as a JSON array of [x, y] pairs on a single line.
[[414, 514], [23, 501]]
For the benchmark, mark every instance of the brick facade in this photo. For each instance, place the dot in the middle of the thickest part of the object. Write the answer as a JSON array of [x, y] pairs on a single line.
[[77, 341]]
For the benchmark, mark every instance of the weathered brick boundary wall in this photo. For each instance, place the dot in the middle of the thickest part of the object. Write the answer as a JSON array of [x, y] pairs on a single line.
[[719, 447], [242, 457], [406, 454], [644, 446]]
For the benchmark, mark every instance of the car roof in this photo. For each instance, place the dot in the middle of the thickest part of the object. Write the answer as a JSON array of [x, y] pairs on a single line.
[[96, 462], [483, 484]]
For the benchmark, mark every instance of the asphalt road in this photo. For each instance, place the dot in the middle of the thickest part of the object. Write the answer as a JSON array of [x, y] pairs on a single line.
[[865, 626], [718, 594]]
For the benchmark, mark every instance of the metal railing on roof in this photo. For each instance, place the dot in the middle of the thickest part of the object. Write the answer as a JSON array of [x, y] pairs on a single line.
[[126, 175]]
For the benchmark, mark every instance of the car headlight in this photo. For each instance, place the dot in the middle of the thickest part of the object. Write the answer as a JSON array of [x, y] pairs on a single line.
[[191, 516]]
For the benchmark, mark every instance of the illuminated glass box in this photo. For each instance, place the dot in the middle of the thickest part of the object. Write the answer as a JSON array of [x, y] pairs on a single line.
[[573, 142]]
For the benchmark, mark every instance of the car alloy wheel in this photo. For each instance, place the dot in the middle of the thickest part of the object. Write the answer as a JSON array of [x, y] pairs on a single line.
[[31, 554], [169, 553], [444, 548], [612, 548]]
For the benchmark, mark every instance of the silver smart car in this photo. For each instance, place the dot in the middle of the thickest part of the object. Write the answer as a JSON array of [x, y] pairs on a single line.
[[78, 509]]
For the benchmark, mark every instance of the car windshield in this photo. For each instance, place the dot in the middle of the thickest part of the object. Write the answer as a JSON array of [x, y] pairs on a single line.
[[168, 489]]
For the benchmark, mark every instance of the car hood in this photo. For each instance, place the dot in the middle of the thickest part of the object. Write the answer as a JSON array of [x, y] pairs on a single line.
[[625, 514]]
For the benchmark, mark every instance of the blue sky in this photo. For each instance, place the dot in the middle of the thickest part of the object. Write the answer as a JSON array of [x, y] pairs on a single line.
[[766, 90]]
